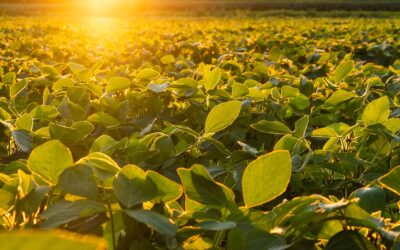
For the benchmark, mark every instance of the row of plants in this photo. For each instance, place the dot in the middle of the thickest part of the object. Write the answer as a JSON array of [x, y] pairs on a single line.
[[208, 133]]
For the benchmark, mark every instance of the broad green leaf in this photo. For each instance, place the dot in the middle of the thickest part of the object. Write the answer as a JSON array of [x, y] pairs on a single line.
[[158, 88], [132, 187], [212, 78], [221, 116], [104, 144], [103, 119], [101, 164], [376, 111], [326, 132], [25, 122], [300, 102], [343, 70], [23, 139], [79, 180], [71, 111], [17, 88], [147, 74], [63, 83], [288, 91], [271, 127], [300, 126], [391, 180], [339, 97], [274, 54], [44, 112], [239, 90], [117, 83], [65, 211], [49, 160], [49, 240], [167, 59], [372, 199], [200, 187], [167, 190], [266, 178], [349, 240], [157, 222], [10, 78], [70, 135], [25, 183]]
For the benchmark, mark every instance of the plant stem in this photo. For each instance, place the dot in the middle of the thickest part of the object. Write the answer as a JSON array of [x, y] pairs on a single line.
[[219, 236], [112, 224]]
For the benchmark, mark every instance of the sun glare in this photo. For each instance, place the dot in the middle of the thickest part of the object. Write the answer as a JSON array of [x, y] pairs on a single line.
[[100, 7]]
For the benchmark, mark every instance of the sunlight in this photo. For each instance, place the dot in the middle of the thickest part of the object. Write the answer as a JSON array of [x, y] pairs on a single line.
[[101, 7]]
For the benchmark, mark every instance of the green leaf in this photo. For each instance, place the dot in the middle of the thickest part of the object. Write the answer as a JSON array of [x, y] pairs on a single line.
[[212, 78], [339, 97], [104, 144], [349, 240], [147, 74], [49, 240], [158, 88], [62, 83], [101, 164], [216, 225], [300, 102], [71, 111], [167, 59], [221, 116], [10, 78], [199, 186], [326, 132], [372, 199], [157, 222], [17, 88], [274, 54], [79, 180], [300, 127], [239, 89], [132, 187], [287, 91], [376, 111], [70, 135], [117, 83], [271, 127], [266, 178], [391, 180], [44, 112], [25, 122], [343, 70], [103, 119], [23, 139], [65, 211], [49, 160], [167, 190]]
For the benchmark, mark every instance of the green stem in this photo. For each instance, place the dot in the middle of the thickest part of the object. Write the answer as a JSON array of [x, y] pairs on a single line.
[[219, 236], [112, 224]]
